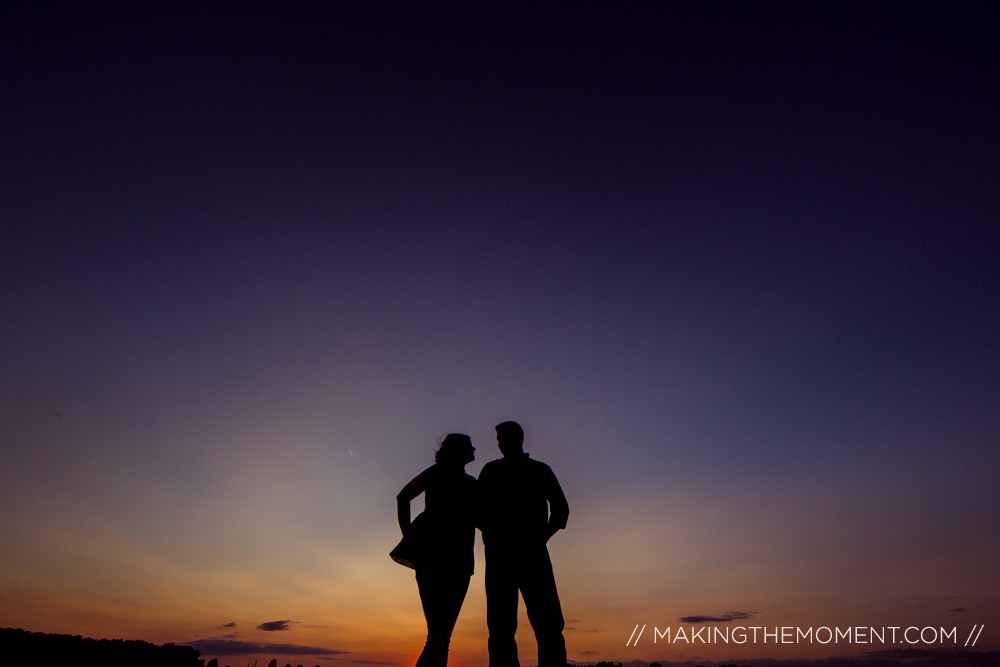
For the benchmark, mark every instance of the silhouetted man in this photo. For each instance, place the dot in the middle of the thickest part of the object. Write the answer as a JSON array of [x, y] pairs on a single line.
[[523, 506]]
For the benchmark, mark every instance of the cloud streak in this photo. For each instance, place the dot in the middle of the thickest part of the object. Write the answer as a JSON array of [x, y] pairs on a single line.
[[217, 646], [722, 618], [274, 626]]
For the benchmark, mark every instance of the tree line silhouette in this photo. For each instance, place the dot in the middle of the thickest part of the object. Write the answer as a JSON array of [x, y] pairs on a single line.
[[214, 662], [21, 647]]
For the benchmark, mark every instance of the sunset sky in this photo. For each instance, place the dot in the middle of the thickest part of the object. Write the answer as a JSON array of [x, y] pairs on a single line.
[[734, 268]]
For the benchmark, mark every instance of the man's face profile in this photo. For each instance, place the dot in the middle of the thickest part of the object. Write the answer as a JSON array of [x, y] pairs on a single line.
[[508, 442]]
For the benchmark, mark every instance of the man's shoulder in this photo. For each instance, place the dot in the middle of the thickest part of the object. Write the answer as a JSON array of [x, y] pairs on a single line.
[[538, 468], [538, 464], [490, 468], [515, 466]]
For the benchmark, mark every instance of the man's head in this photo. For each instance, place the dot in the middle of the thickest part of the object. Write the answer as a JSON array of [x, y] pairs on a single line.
[[510, 438]]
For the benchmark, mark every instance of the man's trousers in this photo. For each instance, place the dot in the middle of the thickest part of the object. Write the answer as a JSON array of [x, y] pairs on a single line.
[[528, 571]]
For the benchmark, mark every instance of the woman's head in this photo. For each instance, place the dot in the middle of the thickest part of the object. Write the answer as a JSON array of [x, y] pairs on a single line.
[[455, 449]]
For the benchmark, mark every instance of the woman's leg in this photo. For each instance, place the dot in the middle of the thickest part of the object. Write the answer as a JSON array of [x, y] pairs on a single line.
[[441, 595]]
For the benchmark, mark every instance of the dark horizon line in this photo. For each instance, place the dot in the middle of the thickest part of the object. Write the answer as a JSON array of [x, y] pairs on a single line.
[[184, 654]]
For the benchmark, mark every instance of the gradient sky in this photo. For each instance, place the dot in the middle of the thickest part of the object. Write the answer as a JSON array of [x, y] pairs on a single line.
[[734, 267]]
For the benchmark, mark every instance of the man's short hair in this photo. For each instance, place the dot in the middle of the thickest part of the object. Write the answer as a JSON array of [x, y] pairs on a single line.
[[510, 431]]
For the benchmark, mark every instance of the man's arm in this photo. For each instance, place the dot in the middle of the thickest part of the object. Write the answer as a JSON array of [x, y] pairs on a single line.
[[558, 507]]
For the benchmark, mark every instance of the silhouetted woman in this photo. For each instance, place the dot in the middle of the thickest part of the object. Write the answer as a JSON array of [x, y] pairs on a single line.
[[447, 527]]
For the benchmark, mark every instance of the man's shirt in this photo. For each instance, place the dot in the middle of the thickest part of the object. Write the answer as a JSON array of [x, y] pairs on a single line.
[[519, 498]]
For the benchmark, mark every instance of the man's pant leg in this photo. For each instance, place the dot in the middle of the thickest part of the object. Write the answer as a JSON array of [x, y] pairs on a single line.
[[541, 601], [501, 608]]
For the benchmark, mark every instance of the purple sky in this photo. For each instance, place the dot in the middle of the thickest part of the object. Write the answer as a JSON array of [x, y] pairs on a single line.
[[734, 267]]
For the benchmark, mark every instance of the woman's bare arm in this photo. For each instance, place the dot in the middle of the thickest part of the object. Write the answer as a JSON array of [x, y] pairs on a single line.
[[413, 488]]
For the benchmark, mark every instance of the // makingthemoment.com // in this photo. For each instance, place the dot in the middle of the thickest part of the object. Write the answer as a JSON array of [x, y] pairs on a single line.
[[754, 634]]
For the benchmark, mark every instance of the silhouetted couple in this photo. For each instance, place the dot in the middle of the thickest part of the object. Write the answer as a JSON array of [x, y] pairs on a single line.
[[518, 505]]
